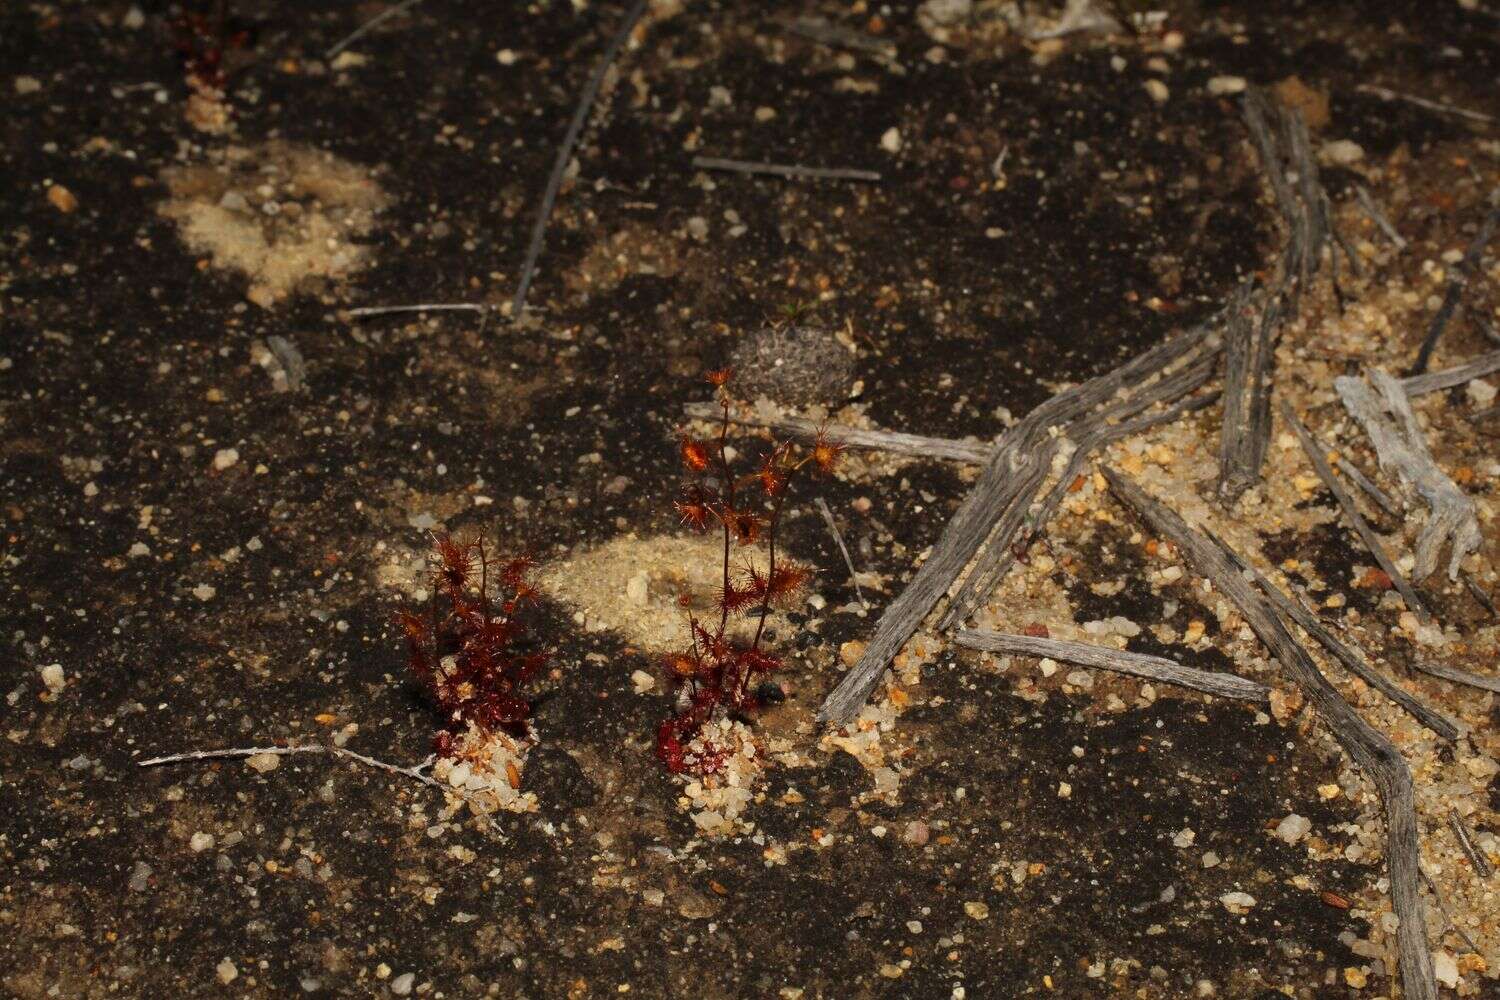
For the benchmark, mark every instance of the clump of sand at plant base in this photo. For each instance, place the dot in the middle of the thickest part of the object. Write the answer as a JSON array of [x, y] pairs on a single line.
[[282, 215], [631, 585], [485, 771]]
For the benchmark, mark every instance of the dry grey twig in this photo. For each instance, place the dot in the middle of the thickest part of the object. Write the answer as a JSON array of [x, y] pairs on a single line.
[[1380, 406], [1369, 748], [1156, 668]]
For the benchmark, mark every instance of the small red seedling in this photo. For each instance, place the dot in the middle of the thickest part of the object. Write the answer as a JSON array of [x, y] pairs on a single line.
[[465, 648], [719, 675]]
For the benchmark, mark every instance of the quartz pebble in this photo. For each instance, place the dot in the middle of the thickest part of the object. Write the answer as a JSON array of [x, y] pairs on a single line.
[[227, 972], [1293, 828]]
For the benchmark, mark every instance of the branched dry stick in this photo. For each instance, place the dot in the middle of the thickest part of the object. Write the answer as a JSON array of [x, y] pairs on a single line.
[[1430, 105], [1013, 460], [565, 153], [1456, 285], [833, 529], [1374, 212], [1457, 676], [1293, 608], [1156, 668], [784, 169], [1485, 364], [1465, 840], [1370, 749], [1317, 454], [1095, 432], [1384, 411], [855, 437], [416, 772], [369, 26]]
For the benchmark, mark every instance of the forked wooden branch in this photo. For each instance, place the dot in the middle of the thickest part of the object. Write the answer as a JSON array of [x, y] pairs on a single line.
[[976, 518], [1382, 409], [1369, 748], [1293, 608], [1156, 668]]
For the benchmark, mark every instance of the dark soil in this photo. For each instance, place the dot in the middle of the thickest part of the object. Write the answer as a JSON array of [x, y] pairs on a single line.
[[127, 367]]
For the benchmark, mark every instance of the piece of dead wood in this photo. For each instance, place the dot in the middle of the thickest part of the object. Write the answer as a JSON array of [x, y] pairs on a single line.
[[1293, 608], [1456, 285], [996, 490], [838, 36], [1370, 749], [896, 442], [1078, 17], [1097, 431], [1358, 478], [1284, 150], [1485, 364], [1317, 455], [1479, 593], [1380, 406], [1246, 429], [1457, 676], [1156, 668], [1466, 843], [1382, 223], [565, 153], [784, 169]]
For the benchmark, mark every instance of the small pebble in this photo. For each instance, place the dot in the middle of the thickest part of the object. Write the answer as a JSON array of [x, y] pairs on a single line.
[[263, 762], [226, 972], [53, 677], [977, 910], [402, 984], [204, 592], [62, 199], [27, 85], [1293, 828], [225, 458], [1341, 152], [1220, 86], [1158, 91], [891, 140], [200, 842]]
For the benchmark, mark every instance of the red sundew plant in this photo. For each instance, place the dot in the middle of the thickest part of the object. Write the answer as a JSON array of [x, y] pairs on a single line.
[[718, 675], [465, 648]]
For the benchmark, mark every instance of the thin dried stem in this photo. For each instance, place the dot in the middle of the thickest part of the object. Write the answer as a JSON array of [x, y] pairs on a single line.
[[784, 169], [565, 153], [362, 311], [369, 26], [833, 529], [1423, 102]]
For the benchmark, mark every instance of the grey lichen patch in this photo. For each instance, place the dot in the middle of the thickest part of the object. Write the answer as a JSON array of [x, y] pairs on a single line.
[[283, 215], [793, 365]]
